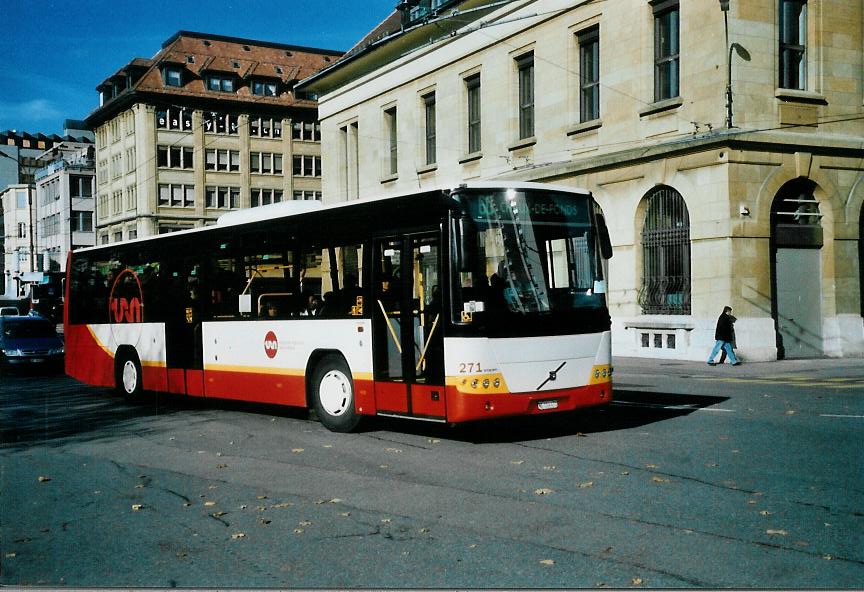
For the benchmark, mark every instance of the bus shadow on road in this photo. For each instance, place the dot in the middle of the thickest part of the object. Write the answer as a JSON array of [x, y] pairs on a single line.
[[66, 412], [631, 409]]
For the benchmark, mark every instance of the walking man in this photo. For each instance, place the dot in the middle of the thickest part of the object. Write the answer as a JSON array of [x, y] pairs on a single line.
[[724, 334]]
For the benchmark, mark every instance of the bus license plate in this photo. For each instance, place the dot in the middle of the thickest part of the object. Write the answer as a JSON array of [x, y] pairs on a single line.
[[544, 405]]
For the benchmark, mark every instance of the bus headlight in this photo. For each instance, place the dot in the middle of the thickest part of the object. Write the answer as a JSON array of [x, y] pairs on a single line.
[[13, 353]]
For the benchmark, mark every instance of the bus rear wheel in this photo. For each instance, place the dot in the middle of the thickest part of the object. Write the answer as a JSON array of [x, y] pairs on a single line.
[[333, 394], [127, 375]]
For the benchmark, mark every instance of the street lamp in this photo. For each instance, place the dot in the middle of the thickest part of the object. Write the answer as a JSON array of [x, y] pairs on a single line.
[[742, 53]]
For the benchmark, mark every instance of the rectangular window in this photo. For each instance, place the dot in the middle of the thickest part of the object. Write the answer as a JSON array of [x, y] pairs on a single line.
[[222, 197], [174, 118], [793, 44], [221, 160], [666, 50], [589, 75], [264, 88], [525, 67], [176, 195], [82, 221], [429, 111], [263, 197], [220, 123], [173, 77], [392, 136], [307, 166], [220, 83], [472, 86], [307, 195], [80, 186], [307, 131]]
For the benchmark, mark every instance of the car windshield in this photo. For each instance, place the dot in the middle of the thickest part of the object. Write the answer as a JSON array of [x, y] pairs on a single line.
[[28, 329], [530, 252]]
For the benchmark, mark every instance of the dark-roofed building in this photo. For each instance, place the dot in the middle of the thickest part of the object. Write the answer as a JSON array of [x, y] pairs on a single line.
[[209, 124]]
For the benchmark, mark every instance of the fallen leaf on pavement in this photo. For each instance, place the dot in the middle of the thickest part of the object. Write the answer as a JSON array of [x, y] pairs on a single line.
[[543, 491], [209, 504], [547, 562], [137, 507], [659, 480], [586, 485], [43, 479], [777, 532], [238, 535], [636, 581]]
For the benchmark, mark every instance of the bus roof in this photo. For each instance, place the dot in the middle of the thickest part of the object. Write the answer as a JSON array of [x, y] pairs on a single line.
[[293, 208]]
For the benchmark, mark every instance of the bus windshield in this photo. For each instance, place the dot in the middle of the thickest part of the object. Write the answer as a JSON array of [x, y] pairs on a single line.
[[525, 252]]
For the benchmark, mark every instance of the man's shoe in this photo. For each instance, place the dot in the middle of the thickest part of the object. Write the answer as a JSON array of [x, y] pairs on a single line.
[[712, 363], [737, 364]]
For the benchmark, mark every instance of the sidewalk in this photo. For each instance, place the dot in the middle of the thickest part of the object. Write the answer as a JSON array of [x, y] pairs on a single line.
[[816, 367]]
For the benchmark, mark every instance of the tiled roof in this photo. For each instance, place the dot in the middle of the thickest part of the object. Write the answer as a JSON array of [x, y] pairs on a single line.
[[196, 54], [388, 26]]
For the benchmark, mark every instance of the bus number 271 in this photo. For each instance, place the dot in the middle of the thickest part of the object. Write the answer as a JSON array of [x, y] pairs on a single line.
[[469, 367]]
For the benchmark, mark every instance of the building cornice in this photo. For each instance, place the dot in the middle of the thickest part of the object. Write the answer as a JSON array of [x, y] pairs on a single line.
[[740, 140], [193, 100]]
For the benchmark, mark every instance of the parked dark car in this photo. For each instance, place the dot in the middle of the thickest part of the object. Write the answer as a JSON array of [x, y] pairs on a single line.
[[30, 340]]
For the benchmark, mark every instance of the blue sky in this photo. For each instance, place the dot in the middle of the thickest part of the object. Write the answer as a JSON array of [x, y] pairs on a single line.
[[55, 53]]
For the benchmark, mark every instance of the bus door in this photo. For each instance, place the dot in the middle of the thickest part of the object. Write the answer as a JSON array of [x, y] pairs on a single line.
[[407, 327], [184, 349]]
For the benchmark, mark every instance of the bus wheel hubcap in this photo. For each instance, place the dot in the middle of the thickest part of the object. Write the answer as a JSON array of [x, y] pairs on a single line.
[[335, 392], [130, 376]]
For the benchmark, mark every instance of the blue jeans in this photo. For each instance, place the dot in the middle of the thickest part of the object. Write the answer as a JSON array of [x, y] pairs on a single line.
[[725, 345]]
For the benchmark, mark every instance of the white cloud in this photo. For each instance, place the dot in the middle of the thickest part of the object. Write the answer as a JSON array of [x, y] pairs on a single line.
[[30, 116]]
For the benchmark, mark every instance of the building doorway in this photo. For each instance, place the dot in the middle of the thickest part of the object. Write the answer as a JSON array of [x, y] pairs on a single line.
[[796, 243]]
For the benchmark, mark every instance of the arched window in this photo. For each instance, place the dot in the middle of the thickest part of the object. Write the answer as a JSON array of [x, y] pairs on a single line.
[[665, 254]]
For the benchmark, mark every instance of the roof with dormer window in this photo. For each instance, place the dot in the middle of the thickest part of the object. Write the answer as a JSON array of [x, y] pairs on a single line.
[[198, 54]]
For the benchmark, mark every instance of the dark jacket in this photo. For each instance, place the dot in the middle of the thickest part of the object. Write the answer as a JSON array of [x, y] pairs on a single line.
[[725, 330]]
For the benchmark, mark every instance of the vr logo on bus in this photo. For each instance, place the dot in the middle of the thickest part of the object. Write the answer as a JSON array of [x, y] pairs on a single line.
[[271, 344], [126, 298]]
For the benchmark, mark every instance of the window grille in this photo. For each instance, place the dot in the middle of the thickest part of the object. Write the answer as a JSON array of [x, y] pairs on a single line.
[[665, 254]]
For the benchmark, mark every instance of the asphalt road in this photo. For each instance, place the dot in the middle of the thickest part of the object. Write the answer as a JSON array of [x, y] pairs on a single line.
[[696, 477]]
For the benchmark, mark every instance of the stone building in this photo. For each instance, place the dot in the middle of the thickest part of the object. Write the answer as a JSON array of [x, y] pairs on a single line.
[[209, 124], [723, 141]]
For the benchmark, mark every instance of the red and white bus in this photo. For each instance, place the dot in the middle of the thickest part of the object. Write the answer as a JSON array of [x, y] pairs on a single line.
[[483, 301]]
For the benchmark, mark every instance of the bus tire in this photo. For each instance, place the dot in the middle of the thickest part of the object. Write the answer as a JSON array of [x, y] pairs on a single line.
[[127, 375], [332, 390]]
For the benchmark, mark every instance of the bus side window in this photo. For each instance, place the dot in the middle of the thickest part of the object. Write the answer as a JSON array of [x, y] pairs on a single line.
[[342, 282]]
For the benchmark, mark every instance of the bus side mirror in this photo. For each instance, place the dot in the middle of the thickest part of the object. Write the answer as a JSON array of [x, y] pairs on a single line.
[[465, 236], [605, 241]]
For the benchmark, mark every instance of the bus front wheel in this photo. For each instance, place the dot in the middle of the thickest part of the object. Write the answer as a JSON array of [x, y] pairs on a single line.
[[127, 375], [333, 394]]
